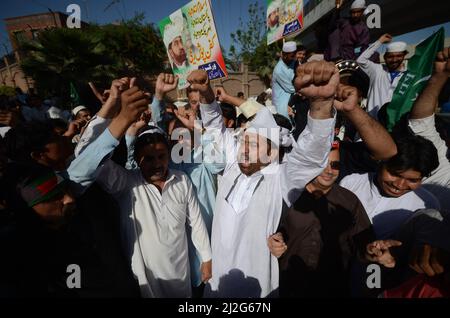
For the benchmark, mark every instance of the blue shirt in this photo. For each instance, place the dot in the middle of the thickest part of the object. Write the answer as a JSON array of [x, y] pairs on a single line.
[[202, 174]]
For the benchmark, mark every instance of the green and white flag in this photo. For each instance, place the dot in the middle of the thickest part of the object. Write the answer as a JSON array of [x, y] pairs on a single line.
[[75, 98], [420, 68]]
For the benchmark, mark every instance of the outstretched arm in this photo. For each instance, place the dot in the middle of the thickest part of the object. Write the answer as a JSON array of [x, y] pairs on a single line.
[[375, 136], [318, 82]]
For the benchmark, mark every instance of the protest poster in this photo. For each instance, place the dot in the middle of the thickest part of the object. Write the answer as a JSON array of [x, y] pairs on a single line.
[[284, 18], [191, 41]]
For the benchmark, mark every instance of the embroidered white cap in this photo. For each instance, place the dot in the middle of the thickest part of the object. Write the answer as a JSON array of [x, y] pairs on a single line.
[[78, 109]]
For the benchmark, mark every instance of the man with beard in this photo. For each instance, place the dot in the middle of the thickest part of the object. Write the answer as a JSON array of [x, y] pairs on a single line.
[[257, 182], [383, 78]]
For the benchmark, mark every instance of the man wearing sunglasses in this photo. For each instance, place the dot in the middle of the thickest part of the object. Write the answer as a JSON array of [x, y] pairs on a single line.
[[326, 227]]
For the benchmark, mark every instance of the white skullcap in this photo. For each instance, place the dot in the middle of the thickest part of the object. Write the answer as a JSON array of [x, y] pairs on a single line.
[[273, 6], [77, 109], [396, 47], [180, 103], [316, 57], [289, 47], [358, 4], [171, 32], [152, 130]]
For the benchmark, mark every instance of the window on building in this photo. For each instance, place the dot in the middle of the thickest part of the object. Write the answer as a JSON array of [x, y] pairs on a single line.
[[35, 34], [20, 36]]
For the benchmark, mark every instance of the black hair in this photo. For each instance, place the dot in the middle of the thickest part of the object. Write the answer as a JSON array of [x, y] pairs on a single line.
[[26, 138], [228, 111], [415, 153], [150, 139], [301, 48]]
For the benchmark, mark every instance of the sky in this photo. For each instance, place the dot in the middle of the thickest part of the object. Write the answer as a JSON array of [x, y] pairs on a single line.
[[226, 12]]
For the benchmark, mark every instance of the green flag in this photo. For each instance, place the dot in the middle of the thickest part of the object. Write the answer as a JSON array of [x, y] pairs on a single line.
[[420, 68], [74, 95]]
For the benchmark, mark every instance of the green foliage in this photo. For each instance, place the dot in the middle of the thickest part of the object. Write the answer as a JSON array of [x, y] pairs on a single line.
[[264, 60], [7, 91], [249, 36], [254, 51], [95, 53]]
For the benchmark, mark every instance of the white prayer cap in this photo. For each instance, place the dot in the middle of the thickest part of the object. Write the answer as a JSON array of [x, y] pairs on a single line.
[[250, 108], [358, 4], [396, 47], [289, 47], [264, 124], [273, 6], [171, 32], [78, 109]]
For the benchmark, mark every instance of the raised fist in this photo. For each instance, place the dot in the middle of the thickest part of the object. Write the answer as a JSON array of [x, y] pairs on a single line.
[[317, 80]]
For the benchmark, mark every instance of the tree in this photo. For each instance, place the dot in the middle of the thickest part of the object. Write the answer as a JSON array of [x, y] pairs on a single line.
[[95, 53], [252, 41], [249, 36]]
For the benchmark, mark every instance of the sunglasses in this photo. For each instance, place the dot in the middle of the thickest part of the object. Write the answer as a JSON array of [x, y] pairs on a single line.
[[335, 165]]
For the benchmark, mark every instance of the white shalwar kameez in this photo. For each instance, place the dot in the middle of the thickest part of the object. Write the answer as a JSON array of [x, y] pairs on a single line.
[[248, 208]]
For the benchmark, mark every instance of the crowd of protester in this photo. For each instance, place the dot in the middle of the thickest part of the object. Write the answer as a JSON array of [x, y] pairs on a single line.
[[294, 194]]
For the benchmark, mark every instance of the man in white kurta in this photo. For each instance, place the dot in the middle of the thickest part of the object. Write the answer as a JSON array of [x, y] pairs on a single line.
[[248, 207], [153, 223], [383, 78]]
